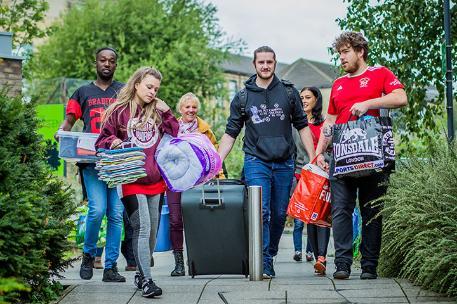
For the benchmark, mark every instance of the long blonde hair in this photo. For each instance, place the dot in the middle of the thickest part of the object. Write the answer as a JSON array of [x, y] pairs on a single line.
[[126, 99]]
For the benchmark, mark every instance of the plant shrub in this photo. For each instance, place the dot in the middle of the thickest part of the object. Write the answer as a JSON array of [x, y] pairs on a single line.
[[34, 210], [420, 226]]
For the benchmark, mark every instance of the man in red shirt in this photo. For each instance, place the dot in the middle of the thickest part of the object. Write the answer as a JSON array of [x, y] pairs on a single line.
[[88, 103], [362, 91]]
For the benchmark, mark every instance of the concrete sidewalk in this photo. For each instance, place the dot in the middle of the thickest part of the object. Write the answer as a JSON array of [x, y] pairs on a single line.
[[294, 283]]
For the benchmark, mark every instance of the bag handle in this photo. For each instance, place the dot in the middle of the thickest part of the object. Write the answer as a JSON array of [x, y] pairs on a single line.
[[313, 162], [383, 112], [123, 144], [358, 117], [219, 199]]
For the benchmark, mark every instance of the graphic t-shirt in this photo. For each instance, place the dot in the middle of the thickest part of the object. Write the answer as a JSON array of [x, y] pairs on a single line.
[[346, 91], [145, 136], [89, 102]]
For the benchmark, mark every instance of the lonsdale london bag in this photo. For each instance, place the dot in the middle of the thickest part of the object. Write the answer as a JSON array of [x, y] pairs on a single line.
[[363, 147], [388, 144]]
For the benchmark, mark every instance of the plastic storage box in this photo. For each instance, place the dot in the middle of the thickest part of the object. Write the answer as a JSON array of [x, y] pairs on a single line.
[[77, 146], [163, 235]]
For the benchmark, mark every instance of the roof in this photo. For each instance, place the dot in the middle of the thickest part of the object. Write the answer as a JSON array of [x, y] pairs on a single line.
[[302, 72], [305, 73], [242, 65]]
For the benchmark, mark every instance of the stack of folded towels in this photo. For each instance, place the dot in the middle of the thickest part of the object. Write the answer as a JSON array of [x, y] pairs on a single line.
[[120, 166]]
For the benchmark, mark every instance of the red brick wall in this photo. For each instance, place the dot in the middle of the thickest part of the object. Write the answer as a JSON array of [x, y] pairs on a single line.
[[11, 75]]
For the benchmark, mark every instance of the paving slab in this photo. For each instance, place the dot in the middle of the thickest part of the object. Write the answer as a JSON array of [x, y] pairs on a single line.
[[101, 297], [369, 300], [295, 283], [430, 300]]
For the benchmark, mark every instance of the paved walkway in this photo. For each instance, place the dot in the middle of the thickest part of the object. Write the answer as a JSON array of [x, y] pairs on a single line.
[[294, 283]]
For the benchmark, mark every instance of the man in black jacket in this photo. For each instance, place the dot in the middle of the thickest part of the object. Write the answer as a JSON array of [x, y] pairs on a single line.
[[268, 107]]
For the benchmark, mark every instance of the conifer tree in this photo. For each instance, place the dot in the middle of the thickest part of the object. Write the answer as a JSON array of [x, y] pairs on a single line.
[[35, 208]]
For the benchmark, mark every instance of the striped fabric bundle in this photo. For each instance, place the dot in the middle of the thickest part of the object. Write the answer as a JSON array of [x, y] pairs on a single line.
[[187, 161], [120, 166]]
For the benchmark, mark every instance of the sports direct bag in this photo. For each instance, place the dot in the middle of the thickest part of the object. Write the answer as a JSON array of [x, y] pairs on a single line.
[[363, 147], [310, 201]]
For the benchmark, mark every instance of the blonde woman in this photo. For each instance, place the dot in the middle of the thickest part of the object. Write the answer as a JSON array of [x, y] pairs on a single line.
[[189, 122], [141, 118]]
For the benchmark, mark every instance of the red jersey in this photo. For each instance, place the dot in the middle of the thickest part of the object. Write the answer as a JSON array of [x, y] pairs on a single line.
[[346, 91], [89, 102]]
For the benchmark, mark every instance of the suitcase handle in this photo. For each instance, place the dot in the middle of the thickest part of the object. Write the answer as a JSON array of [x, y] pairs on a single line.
[[212, 202]]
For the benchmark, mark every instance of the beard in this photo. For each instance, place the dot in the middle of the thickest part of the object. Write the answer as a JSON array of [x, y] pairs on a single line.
[[351, 68], [268, 77]]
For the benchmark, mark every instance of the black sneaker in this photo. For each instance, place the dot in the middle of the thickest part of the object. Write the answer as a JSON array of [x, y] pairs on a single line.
[[138, 280], [368, 273], [112, 275], [150, 289], [87, 267], [297, 256], [343, 271]]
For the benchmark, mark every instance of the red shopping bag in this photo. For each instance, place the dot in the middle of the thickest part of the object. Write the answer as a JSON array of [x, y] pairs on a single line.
[[310, 201]]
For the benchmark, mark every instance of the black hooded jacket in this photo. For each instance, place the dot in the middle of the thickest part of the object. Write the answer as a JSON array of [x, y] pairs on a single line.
[[269, 118]]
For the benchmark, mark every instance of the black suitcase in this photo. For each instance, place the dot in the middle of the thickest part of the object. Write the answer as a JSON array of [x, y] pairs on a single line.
[[215, 226]]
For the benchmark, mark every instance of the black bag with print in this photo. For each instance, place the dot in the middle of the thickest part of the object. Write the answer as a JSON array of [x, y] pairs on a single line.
[[388, 144], [363, 147]]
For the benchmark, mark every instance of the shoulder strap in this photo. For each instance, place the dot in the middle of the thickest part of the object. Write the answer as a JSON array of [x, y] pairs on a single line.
[[242, 94], [243, 99], [289, 86]]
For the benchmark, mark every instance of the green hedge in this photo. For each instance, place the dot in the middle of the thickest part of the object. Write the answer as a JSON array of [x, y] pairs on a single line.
[[34, 210], [420, 221]]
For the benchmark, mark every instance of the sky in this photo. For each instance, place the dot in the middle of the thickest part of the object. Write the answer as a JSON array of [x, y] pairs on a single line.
[[293, 28]]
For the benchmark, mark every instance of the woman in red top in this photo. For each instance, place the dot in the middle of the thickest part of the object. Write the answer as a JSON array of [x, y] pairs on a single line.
[[317, 236], [140, 118]]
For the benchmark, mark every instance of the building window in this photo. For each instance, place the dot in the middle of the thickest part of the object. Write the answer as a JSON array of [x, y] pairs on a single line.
[[233, 88]]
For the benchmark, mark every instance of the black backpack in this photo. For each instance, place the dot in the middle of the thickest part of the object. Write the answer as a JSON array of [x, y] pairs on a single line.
[[243, 96]]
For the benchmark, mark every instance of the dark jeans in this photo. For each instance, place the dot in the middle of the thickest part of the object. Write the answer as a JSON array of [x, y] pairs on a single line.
[[319, 238], [344, 193], [176, 225]]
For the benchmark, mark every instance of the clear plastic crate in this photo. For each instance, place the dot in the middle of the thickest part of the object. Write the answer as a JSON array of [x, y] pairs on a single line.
[[77, 146]]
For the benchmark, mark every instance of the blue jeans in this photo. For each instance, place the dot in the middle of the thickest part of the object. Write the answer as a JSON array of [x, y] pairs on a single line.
[[297, 236], [275, 178], [102, 200]]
